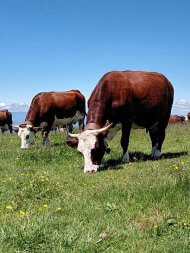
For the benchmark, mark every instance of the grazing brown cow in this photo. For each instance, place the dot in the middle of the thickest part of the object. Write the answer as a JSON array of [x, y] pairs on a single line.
[[188, 117], [176, 119], [51, 108], [5, 120], [124, 99]]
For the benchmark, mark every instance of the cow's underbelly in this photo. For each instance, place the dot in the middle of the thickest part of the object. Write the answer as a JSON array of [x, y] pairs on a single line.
[[113, 131], [135, 126], [66, 121]]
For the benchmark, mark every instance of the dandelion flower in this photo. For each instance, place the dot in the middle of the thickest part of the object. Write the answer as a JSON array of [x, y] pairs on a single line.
[[45, 205], [58, 209]]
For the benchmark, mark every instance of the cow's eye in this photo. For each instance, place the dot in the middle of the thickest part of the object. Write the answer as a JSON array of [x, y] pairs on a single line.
[[27, 136]]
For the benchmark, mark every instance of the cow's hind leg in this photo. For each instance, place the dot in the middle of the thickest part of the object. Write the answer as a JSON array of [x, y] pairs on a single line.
[[81, 124], [46, 140], [126, 129], [154, 139], [11, 129], [157, 138]]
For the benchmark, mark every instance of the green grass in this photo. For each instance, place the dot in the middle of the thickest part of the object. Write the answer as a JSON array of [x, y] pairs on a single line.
[[48, 204]]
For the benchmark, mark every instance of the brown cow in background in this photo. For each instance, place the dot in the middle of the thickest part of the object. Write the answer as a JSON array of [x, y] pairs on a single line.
[[188, 117], [49, 109], [176, 119], [5, 120]]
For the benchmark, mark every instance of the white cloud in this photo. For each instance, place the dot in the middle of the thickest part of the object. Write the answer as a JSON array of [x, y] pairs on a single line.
[[182, 106], [15, 107], [3, 104]]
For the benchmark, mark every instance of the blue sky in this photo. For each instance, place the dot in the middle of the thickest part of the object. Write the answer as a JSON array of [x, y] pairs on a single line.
[[58, 45]]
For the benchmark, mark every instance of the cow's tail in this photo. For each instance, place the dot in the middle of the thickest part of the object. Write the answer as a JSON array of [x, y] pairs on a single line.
[[170, 96]]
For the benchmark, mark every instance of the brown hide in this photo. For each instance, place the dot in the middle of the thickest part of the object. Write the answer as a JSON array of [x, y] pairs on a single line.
[[6, 118], [176, 119], [130, 96], [188, 116], [47, 104]]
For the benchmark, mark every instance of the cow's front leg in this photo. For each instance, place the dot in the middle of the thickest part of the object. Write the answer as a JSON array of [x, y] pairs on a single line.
[[126, 129], [46, 140], [81, 124]]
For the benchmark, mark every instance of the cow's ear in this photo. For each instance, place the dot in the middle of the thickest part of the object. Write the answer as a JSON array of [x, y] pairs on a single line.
[[15, 129], [72, 142], [23, 125]]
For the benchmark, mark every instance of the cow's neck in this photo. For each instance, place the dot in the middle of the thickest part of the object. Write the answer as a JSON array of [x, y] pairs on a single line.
[[32, 118], [96, 117], [98, 106], [92, 126]]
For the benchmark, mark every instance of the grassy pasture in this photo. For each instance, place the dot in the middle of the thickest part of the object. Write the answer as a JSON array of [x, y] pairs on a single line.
[[47, 203]]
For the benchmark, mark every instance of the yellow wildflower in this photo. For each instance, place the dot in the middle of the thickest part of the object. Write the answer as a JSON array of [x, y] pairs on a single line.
[[22, 212], [45, 205], [9, 207], [58, 209]]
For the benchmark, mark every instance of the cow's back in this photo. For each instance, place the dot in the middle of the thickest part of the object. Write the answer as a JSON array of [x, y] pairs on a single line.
[[69, 100], [46, 105], [144, 97]]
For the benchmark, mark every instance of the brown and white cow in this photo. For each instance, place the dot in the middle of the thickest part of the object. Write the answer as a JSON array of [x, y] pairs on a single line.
[[51, 108], [124, 99], [188, 117], [177, 119], [5, 120]]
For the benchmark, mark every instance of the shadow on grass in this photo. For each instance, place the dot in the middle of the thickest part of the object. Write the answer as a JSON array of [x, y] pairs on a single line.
[[58, 144], [116, 164]]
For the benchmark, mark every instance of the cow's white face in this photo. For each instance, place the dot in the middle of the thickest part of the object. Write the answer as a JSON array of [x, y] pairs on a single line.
[[27, 135], [86, 143], [91, 143]]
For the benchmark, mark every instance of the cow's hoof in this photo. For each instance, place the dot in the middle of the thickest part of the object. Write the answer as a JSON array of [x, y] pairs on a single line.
[[90, 171], [157, 154], [125, 160]]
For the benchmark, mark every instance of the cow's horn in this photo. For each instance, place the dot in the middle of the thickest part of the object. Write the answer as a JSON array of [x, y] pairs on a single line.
[[101, 130], [74, 135]]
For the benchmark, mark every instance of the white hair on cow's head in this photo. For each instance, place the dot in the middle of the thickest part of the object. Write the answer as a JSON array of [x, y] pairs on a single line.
[[27, 135], [87, 143]]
